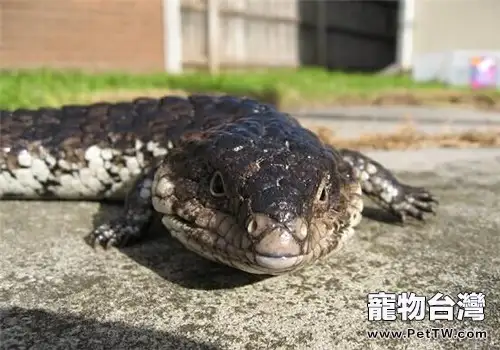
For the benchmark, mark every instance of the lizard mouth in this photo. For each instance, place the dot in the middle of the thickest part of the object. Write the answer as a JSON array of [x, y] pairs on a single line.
[[259, 258], [278, 264]]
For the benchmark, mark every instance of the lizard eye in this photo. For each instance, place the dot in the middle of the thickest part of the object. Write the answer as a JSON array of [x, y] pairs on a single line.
[[217, 185]]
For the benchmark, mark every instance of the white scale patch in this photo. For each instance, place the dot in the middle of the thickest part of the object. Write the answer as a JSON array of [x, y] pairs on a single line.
[[27, 180], [124, 174], [164, 188], [132, 165], [389, 193], [107, 154], [7, 181], [40, 170], [156, 150], [65, 165], [75, 181], [24, 159]]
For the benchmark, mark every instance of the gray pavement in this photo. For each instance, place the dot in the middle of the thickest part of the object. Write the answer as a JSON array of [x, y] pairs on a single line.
[[55, 292], [351, 122]]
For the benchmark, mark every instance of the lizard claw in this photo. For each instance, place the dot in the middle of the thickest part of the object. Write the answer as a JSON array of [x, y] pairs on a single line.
[[414, 202]]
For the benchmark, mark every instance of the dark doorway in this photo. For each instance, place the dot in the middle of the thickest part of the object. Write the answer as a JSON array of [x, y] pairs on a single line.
[[358, 35]]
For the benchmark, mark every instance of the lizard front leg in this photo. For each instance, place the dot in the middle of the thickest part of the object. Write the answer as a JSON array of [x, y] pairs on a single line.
[[132, 224], [382, 186]]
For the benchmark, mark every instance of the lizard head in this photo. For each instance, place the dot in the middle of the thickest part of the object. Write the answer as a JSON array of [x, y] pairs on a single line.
[[258, 193]]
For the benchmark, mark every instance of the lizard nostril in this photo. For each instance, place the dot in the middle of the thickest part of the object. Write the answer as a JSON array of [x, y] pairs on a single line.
[[299, 228]]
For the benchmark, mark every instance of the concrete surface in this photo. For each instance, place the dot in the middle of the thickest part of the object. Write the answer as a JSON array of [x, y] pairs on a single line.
[[353, 121], [55, 292]]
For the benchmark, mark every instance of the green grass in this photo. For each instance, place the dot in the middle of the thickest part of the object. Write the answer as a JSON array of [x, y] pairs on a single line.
[[43, 87]]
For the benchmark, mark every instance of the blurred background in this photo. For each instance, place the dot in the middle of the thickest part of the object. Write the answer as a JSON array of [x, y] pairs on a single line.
[[299, 55], [179, 35]]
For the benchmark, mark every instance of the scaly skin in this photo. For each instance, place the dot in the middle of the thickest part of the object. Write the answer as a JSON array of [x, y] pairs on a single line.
[[234, 180]]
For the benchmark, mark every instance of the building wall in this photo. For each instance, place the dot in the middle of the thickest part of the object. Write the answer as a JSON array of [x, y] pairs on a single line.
[[85, 34], [128, 34], [444, 25]]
